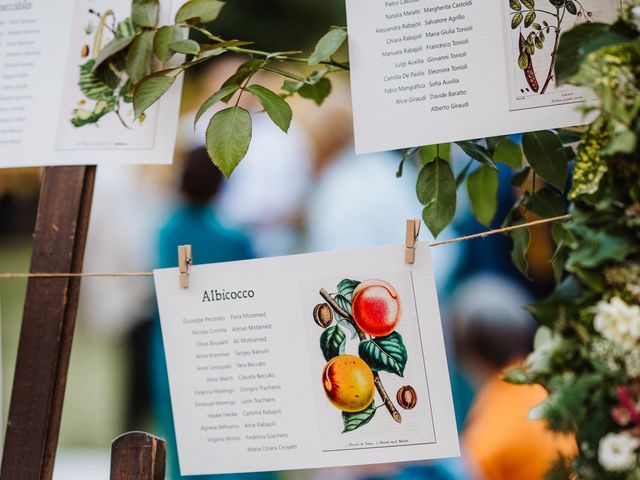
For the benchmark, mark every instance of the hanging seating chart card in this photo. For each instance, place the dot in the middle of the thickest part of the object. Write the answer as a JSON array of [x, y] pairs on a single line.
[[319, 360], [60, 102], [433, 71]]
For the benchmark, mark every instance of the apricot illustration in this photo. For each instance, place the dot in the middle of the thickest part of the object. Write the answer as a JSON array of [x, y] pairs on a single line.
[[348, 383], [376, 307]]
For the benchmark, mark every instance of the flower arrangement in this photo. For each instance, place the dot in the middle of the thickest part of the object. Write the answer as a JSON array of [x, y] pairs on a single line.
[[587, 352]]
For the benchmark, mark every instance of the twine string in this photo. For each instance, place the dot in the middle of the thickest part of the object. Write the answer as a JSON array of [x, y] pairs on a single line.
[[466, 238]]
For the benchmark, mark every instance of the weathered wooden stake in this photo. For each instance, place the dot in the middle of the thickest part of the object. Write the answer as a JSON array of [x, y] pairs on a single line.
[[138, 456], [48, 324]]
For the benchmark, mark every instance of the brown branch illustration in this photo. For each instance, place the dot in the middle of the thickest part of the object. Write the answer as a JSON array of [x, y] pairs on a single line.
[[393, 411]]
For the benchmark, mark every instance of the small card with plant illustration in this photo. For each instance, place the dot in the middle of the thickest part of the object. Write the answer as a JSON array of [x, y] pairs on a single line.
[[69, 74], [308, 361]]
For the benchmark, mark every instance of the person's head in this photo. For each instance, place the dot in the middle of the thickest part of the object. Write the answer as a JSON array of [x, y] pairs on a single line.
[[201, 179], [491, 328]]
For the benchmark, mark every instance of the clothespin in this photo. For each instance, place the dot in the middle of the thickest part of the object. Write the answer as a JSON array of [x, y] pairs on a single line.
[[185, 260], [413, 230]]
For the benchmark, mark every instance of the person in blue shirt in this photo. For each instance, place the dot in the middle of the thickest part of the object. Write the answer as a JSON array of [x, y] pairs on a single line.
[[194, 222]]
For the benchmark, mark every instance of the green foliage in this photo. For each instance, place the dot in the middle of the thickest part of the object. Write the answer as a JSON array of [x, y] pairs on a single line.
[[186, 47], [149, 91], [278, 110], [332, 342], [165, 36], [509, 153], [228, 138], [521, 242], [328, 46], [437, 192], [353, 421], [544, 153], [346, 288], [224, 92], [199, 11], [140, 56], [482, 187], [387, 354], [144, 13]]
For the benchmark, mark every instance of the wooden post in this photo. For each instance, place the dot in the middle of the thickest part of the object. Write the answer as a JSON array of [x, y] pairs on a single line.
[[48, 324], [138, 456]]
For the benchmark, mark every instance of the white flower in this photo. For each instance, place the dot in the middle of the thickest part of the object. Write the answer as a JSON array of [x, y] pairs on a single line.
[[618, 322], [616, 452]]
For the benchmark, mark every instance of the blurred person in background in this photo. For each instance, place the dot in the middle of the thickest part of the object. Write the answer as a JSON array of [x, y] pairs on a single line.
[[266, 195], [492, 333], [193, 222]]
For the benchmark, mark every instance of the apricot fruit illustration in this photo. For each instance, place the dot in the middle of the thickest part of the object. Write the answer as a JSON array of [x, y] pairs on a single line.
[[348, 383], [376, 307]]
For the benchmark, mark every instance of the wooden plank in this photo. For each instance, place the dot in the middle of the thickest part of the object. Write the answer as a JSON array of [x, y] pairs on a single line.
[[48, 324], [138, 456]]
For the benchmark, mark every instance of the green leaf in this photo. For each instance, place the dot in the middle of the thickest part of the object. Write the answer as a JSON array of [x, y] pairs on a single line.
[[94, 87], [509, 153], [516, 20], [436, 190], [332, 342], [523, 61], [531, 4], [343, 302], [477, 152], [571, 7], [346, 288], [521, 243], [228, 138], [386, 354], [600, 248], [149, 91], [199, 11], [213, 99], [546, 204], [515, 5], [429, 153], [544, 153], [140, 56], [164, 37], [110, 49], [353, 421], [276, 107], [144, 13], [482, 187], [317, 92], [187, 47], [529, 19], [328, 45]]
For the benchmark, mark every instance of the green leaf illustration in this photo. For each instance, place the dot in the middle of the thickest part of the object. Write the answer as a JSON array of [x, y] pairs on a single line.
[[332, 342], [276, 107], [164, 37], [215, 98], [228, 138], [529, 19], [346, 288], [515, 5], [343, 302], [199, 11], [94, 87], [149, 91], [571, 7], [516, 20], [482, 187], [353, 421], [544, 153], [436, 190], [531, 4], [386, 354], [144, 13], [328, 45]]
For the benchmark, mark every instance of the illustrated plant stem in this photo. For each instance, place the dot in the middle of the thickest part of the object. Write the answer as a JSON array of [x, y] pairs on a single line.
[[554, 53], [393, 411]]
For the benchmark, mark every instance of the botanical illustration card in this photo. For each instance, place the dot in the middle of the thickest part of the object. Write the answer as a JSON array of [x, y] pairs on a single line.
[[308, 361], [430, 71], [61, 103]]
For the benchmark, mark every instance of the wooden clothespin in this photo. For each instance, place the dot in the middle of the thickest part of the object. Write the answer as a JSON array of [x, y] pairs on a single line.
[[185, 260], [413, 230]]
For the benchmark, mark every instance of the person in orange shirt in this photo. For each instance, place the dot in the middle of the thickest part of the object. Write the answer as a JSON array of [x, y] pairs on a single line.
[[492, 333]]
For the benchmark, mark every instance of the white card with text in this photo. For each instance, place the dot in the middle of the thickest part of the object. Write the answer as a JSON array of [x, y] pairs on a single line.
[[434, 71], [308, 361], [53, 109]]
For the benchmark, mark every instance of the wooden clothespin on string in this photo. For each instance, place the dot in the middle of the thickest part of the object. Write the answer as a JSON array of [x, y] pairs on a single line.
[[185, 260], [413, 230]]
